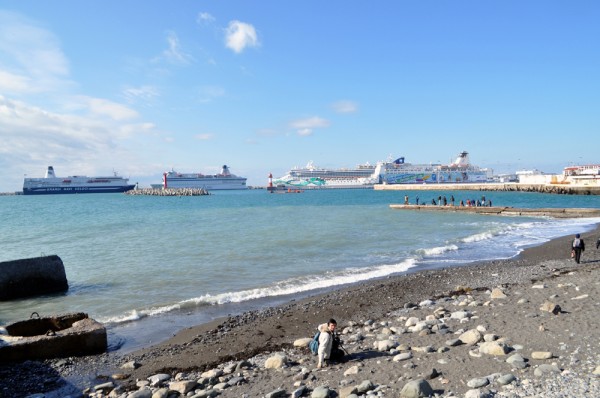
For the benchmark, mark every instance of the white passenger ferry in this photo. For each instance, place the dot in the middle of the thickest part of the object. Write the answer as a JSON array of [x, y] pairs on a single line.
[[211, 182], [51, 184]]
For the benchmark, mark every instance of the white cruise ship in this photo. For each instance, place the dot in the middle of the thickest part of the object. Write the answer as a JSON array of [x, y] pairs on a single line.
[[388, 172], [311, 177], [460, 171], [210, 182], [51, 184]]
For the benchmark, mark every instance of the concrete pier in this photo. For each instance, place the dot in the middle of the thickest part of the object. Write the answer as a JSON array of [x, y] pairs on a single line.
[[564, 189], [32, 277], [508, 211]]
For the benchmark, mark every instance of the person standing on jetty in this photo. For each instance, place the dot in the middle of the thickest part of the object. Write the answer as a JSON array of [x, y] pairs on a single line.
[[326, 341], [578, 246]]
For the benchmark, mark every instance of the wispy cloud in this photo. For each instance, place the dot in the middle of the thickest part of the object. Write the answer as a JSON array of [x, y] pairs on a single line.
[[175, 53], [205, 18], [305, 127], [345, 106], [204, 137], [31, 59], [239, 35], [142, 93], [113, 110]]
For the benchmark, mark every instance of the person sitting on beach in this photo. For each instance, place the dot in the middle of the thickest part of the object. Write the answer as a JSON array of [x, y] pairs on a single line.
[[577, 246], [326, 341]]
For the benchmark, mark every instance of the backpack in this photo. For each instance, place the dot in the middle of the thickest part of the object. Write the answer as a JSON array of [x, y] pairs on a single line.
[[314, 344], [576, 243]]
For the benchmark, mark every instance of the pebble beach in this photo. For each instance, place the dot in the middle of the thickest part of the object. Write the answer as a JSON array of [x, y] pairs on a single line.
[[524, 327]]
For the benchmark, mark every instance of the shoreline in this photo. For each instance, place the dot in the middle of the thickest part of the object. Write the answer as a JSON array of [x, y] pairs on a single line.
[[244, 336]]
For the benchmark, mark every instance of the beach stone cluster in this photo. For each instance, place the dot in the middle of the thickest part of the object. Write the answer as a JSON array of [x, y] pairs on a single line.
[[445, 346]]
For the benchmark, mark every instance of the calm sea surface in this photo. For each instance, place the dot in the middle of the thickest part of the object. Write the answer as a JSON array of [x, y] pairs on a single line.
[[148, 266]]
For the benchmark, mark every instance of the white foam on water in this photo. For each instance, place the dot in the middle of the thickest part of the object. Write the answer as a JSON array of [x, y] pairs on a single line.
[[287, 287], [436, 251]]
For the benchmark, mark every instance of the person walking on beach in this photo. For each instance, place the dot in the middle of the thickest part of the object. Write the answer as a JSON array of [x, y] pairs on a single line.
[[597, 243], [326, 341], [578, 246]]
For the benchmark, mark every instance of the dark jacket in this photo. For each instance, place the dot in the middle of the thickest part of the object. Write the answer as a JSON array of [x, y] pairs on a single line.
[[581, 245]]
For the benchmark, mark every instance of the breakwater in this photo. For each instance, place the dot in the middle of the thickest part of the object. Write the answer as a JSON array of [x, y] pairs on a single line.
[[169, 192], [507, 211], [562, 189]]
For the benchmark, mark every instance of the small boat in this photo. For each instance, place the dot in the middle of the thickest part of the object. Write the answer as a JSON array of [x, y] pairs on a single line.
[[57, 336]]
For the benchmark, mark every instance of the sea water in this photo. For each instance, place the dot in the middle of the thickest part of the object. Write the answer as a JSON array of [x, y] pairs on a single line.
[[147, 266]]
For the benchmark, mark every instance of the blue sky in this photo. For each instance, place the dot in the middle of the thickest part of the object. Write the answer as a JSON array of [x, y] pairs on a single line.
[[141, 87]]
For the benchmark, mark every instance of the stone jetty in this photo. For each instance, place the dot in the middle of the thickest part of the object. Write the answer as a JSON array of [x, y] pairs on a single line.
[[507, 211], [32, 277], [169, 192], [563, 189]]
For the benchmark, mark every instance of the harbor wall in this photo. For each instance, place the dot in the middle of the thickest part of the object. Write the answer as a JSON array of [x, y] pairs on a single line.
[[563, 189], [32, 277], [507, 211]]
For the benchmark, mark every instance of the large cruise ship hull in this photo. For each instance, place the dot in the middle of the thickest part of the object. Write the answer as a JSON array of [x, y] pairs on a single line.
[[75, 190], [52, 185], [210, 184]]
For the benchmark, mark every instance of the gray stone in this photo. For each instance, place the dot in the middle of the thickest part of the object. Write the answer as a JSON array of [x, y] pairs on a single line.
[[478, 382], [320, 392], [131, 365], [541, 355], [493, 348], [183, 387], [298, 392], [506, 379], [236, 380], [403, 356], [416, 389], [280, 392], [453, 342], [546, 369], [365, 386], [470, 337], [158, 379], [142, 393], [347, 392], [276, 361]]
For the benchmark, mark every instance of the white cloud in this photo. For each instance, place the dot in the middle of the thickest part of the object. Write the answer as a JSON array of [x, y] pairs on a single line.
[[345, 106], [30, 57], [174, 53], [204, 17], [142, 93], [102, 107], [305, 127], [240, 35], [204, 137]]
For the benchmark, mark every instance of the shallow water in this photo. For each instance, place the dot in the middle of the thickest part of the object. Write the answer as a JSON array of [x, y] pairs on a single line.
[[186, 260]]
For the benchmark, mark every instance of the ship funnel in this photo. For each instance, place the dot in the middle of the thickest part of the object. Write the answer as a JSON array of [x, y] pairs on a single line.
[[462, 159], [50, 172], [225, 170]]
